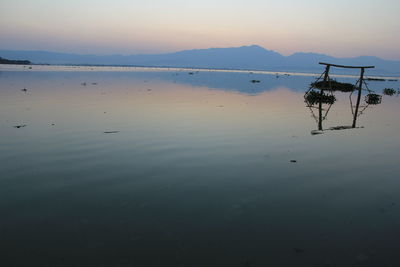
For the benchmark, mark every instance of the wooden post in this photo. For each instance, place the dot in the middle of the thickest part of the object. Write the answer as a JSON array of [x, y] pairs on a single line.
[[358, 97], [326, 77], [320, 113], [328, 67]]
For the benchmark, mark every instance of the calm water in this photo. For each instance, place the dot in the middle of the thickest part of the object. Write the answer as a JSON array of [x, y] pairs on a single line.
[[147, 167]]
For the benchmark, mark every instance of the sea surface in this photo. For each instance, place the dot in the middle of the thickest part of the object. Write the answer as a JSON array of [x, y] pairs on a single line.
[[113, 166]]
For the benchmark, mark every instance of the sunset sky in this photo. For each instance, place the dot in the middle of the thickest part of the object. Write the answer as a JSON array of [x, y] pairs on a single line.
[[340, 28]]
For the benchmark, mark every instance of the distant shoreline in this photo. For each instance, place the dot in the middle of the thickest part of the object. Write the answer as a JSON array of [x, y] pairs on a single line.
[[14, 62], [127, 68]]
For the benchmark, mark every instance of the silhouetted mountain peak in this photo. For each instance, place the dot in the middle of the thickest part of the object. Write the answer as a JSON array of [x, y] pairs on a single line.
[[253, 47], [257, 49]]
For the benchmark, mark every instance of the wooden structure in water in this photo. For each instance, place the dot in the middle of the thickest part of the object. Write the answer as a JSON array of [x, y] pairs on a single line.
[[359, 84]]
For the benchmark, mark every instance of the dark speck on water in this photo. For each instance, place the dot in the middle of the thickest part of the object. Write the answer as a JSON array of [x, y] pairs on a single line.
[[316, 132], [20, 126], [111, 132], [298, 250], [338, 128], [293, 161], [376, 79]]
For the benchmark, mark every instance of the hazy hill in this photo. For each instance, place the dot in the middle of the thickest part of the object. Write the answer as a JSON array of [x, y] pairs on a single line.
[[246, 57]]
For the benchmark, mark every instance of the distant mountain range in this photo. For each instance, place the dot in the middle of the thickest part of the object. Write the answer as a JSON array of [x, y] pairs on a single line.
[[246, 57]]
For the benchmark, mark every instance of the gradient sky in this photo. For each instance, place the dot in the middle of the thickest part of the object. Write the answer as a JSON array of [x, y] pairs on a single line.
[[338, 27]]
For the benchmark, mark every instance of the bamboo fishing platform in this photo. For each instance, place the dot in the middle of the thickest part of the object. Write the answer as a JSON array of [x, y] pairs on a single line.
[[360, 82], [325, 84]]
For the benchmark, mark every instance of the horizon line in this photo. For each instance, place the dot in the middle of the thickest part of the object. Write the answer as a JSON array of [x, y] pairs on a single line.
[[193, 49]]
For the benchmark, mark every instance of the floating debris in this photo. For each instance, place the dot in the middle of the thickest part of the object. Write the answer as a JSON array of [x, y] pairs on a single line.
[[111, 132], [255, 81], [373, 99], [376, 79], [314, 97], [333, 85], [293, 161], [191, 73], [389, 91], [20, 126], [298, 250], [337, 128], [24, 90], [316, 132]]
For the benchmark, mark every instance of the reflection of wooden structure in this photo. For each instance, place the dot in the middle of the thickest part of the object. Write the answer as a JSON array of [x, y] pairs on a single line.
[[322, 111], [359, 83]]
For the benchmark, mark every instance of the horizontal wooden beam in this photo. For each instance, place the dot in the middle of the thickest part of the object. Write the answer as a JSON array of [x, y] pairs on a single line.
[[347, 67]]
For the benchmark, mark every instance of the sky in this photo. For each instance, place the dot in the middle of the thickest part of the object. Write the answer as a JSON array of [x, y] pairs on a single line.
[[342, 28]]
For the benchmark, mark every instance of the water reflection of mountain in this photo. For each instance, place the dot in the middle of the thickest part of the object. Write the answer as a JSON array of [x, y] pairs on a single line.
[[246, 83], [219, 80], [242, 82], [232, 81]]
